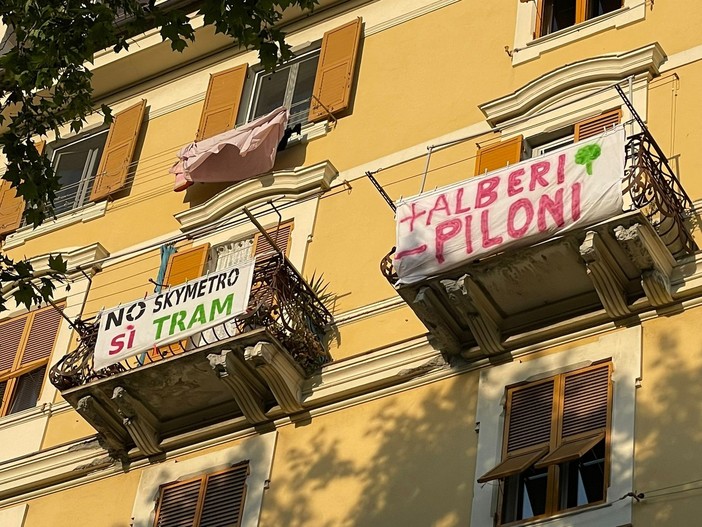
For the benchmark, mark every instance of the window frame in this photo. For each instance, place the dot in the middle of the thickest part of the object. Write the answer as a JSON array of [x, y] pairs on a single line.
[[13, 375], [554, 483], [81, 196], [253, 92], [582, 8]]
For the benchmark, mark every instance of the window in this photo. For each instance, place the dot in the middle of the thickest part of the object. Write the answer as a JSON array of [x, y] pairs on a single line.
[[290, 86], [554, 15], [555, 444], [211, 500], [76, 163], [327, 72], [25, 347], [230, 253]]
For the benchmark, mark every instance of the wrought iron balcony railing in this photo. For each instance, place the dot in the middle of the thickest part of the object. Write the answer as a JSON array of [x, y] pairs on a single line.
[[650, 186], [280, 301]]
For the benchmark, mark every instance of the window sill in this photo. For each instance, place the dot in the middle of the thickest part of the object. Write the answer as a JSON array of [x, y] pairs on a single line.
[[310, 131], [526, 48], [559, 519], [81, 215]]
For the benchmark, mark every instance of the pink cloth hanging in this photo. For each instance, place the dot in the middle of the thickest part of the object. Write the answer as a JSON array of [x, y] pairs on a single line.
[[235, 155]]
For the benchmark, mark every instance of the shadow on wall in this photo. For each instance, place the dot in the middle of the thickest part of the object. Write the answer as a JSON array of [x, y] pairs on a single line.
[[406, 459], [669, 423]]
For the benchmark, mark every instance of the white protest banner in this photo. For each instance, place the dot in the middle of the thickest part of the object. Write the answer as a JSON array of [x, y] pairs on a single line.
[[521, 204], [172, 315]]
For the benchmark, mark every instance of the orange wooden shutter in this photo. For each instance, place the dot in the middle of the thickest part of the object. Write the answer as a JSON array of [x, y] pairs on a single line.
[[499, 155], [42, 335], [12, 332], [213, 499], [530, 416], [11, 205], [281, 237], [596, 125], [178, 504], [222, 102], [224, 497], [186, 265], [586, 402], [335, 70], [11, 208], [119, 150], [539, 18]]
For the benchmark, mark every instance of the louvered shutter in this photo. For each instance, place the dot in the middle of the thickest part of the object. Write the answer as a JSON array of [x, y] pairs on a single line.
[[178, 504], [3, 387], [11, 205], [224, 498], [222, 102], [335, 70], [119, 150], [499, 155], [42, 335], [12, 332], [586, 403], [186, 265], [281, 237], [528, 429], [596, 125]]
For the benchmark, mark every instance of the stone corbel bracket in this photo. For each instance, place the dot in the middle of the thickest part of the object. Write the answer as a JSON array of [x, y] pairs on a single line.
[[138, 420], [650, 255], [443, 329], [280, 372], [112, 435], [481, 315], [606, 275], [248, 391]]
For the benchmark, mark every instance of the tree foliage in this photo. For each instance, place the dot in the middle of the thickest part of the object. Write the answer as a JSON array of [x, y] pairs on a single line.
[[45, 83]]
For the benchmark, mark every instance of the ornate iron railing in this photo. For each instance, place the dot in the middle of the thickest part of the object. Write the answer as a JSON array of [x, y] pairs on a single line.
[[280, 301], [655, 190], [652, 188]]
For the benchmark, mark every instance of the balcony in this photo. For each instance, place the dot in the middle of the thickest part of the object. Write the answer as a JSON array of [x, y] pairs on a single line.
[[604, 272], [245, 372]]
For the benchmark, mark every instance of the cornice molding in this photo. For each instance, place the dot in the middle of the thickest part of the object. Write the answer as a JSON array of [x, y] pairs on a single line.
[[576, 77], [298, 181]]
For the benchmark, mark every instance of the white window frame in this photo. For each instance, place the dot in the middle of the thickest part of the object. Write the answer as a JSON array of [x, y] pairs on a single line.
[[623, 347], [527, 48], [81, 198], [293, 64]]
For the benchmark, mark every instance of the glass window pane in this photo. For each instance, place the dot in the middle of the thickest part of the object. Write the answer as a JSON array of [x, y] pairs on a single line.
[[558, 14], [271, 91], [71, 162], [525, 495], [600, 7], [582, 480], [304, 85], [26, 393]]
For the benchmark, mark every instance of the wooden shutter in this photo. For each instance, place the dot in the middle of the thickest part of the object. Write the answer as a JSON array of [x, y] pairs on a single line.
[[207, 501], [119, 150], [586, 402], [42, 335], [530, 414], [222, 102], [11, 205], [224, 497], [186, 265], [281, 237], [499, 155], [12, 332], [178, 504], [528, 425], [335, 70], [596, 125]]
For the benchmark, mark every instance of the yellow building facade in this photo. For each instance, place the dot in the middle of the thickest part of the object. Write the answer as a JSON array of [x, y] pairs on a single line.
[[552, 383]]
